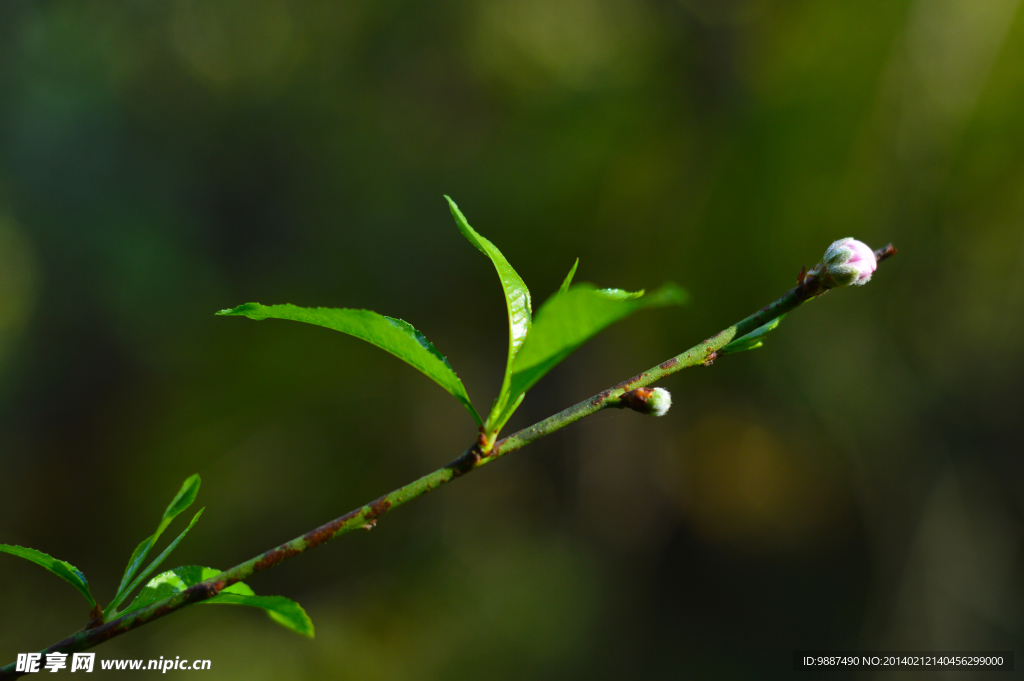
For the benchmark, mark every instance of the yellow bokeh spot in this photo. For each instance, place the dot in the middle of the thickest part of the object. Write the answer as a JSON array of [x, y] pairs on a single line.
[[230, 40], [575, 44], [744, 485]]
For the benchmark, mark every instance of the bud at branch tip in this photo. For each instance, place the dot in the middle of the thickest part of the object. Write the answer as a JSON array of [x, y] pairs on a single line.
[[847, 262]]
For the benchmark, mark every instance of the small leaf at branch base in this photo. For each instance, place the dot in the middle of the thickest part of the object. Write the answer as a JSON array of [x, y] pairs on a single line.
[[752, 340], [62, 569], [284, 611], [392, 335]]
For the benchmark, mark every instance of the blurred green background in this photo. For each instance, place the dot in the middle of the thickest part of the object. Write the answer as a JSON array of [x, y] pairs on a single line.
[[852, 485]]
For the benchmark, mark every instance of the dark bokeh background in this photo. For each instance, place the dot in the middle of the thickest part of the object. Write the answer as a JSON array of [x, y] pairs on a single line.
[[856, 484]]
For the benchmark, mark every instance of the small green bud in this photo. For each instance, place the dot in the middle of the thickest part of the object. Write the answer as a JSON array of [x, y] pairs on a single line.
[[653, 401]]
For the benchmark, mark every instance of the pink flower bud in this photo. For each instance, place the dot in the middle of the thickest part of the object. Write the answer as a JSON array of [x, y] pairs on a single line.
[[847, 262]]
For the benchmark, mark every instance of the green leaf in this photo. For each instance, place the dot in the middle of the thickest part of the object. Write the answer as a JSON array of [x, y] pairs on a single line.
[[284, 611], [181, 501], [517, 300], [509, 410], [174, 581], [138, 555], [568, 278], [568, 320], [752, 340], [389, 334], [163, 556], [62, 569]]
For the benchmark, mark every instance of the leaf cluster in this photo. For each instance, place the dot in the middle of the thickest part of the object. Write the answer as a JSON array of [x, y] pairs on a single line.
[[282, 610], [536, 343]]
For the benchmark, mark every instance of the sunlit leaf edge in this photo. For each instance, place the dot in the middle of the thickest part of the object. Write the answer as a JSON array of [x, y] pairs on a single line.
[[517, 302]]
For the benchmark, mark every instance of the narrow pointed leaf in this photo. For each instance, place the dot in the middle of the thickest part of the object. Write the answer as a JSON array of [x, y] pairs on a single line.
[[568, 320], [392, 335], [138, 555], [752, 340], [181, 501], [161, 558], [517, 300], [568, 278], [62, 569], [284, 611]]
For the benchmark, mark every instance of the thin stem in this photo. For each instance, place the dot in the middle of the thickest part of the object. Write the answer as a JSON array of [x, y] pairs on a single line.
[[366, 516]]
